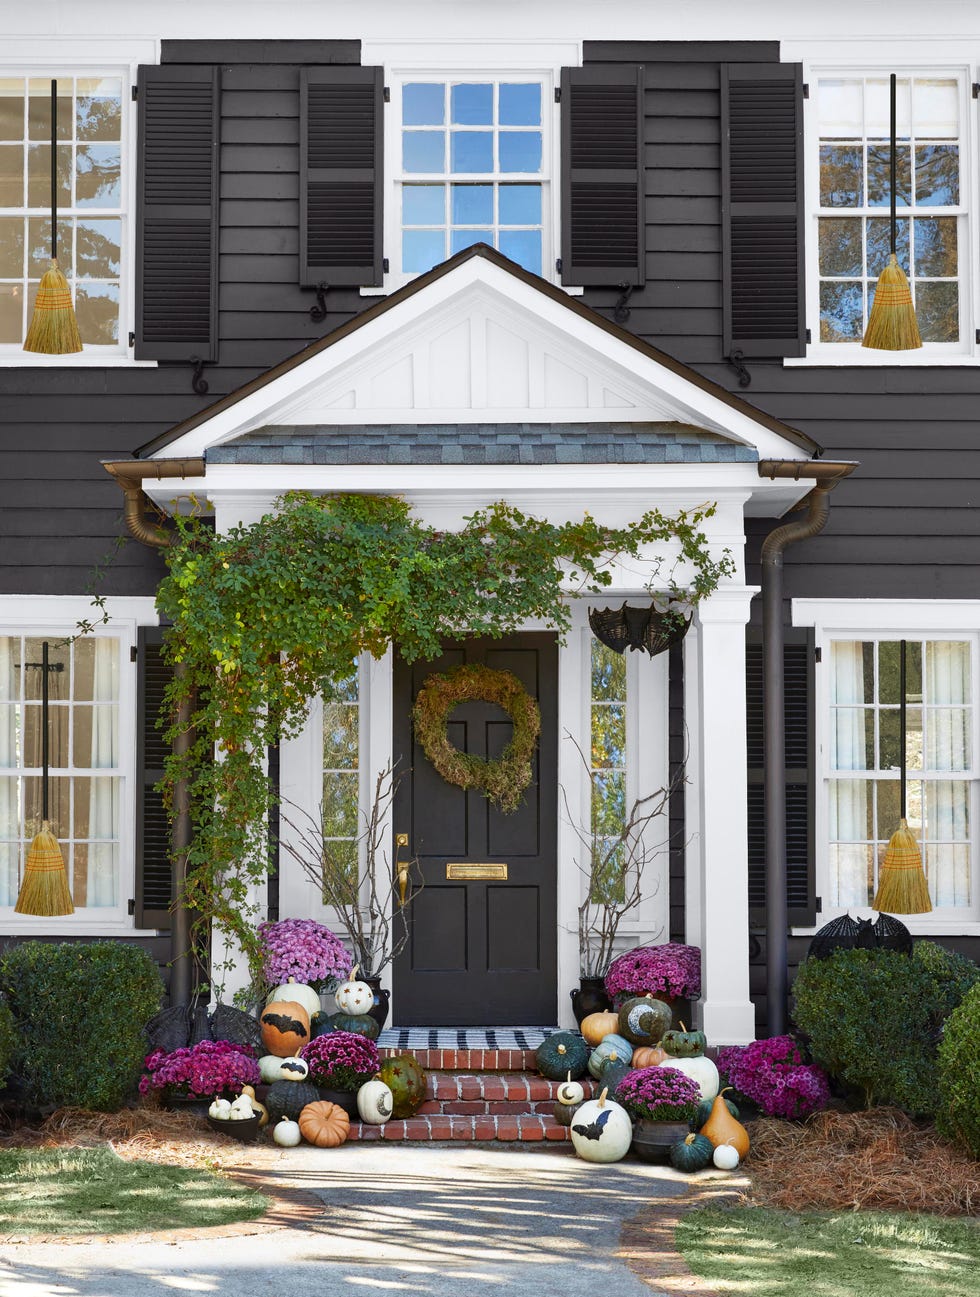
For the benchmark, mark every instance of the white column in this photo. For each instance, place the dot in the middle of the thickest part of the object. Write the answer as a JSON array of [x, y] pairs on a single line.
[[715, 680]]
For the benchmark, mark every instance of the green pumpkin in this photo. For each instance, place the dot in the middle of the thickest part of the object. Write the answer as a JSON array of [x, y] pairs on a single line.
[[612, 1049], [692, 1154], [643, 1020], [321, 1025], [612, 1074], [704, 1112], [405, 1079], [560, 1054], [360, 1023], [289, 1098], [684, 1044]]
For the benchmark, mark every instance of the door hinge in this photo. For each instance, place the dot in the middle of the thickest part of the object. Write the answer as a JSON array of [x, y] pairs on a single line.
[[557, 94], [136, 92], [131, 906], [387, 94], [132, 653], [818, 905], [806, 90], [818, 654]]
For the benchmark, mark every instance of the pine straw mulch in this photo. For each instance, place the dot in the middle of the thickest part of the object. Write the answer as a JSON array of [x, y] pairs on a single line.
[[879, 1160], [145, 1133]]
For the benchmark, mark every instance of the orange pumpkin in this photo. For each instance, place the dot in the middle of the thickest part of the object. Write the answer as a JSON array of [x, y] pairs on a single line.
[[597, 1026], [324, 1124], [285, 1028], [649, 1056]]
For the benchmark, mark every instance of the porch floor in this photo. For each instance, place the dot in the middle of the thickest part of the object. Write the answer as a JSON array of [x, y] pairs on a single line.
[[463, 1037]]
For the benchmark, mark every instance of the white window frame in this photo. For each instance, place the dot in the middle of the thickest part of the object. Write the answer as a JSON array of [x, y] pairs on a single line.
[[888, 619], [58, 616], [433, 60], [80, 57]]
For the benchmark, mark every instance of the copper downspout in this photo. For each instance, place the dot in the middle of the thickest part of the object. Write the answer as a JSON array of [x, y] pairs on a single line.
[[130, 474], [825, 477]]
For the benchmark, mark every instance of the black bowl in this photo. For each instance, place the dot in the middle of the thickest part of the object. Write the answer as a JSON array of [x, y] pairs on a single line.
[[244, 1131]]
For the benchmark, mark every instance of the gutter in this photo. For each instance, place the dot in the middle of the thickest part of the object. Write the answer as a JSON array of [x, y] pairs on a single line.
[[825, 476], [130, 475]]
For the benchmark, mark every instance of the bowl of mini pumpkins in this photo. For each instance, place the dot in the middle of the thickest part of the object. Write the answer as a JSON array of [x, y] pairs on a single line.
[[235, 1117]]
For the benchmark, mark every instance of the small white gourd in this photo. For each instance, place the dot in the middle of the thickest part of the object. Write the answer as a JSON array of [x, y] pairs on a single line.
[[215, 1110], [293, 1069], [287, 1133], [725, 1157], [571, 1092]]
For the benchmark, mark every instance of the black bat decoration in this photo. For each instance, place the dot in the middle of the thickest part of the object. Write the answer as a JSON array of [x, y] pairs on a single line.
[[594, 1128], [284, 1023]]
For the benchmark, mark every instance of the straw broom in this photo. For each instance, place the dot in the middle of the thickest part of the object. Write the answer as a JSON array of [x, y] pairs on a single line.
[[892, 325], [53, 330]]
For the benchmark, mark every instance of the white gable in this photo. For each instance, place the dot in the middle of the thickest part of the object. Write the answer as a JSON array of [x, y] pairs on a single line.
[[479, 345]]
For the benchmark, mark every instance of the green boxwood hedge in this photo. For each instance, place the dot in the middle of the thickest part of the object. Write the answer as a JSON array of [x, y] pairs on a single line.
[[79, 1010], [8, 1042], [958, 1112]]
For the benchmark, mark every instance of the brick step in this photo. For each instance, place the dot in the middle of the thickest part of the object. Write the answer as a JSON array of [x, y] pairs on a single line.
[[470, 1060], [510, 1128], [509, 1087]]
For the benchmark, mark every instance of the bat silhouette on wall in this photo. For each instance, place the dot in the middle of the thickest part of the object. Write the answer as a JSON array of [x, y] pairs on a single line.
[[594, 1129]]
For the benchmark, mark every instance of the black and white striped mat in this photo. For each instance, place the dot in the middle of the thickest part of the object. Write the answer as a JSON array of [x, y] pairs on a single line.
[[464, 1037]]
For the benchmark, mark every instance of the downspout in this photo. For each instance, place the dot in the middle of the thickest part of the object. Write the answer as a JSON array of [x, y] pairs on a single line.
[[825, 477], [130, 474]]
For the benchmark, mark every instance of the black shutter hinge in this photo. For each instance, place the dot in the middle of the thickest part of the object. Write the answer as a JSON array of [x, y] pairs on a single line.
[[818, 904], [806, 90], [818, 654], [131, 905], [558, 265], [737, 362], [387, 94], [136, 92], [976, 337], [557, 94], [976, 90], [198, 382], [318, 311], [132, 339], [809, 337], [384, 265], [132, 652]]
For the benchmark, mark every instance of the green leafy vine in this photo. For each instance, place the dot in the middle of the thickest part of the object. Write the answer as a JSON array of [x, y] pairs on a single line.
[[267, 616]]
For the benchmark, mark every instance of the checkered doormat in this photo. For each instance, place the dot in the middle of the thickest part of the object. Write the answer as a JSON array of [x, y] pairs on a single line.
[[464, 1037]]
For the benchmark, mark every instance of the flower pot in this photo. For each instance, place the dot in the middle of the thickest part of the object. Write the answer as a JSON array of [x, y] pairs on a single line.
[[589, 997], [244, 1131], [652, 1140], [346, 1099], [379, 1010], [187, 1103]]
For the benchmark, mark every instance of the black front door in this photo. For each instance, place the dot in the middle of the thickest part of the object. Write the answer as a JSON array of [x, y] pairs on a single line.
[[481, 951]]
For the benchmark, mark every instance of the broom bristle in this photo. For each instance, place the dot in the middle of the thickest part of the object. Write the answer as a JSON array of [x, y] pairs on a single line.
[[44, 888], [902, 886], [54, 330], [892, 325]]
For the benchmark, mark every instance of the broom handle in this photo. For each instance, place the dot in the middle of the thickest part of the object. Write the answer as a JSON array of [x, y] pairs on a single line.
[[893, 117], [45, 753], [901, 722], [54, 176]]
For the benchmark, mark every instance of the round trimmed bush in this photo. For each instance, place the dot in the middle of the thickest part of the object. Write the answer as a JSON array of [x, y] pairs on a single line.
[[8, 1042], [958, 1111], [953, 974]]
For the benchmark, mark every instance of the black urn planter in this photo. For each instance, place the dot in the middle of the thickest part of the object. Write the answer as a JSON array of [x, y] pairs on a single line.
[[589, 997], [379, 1009], [346, 1099], [653, 1140]]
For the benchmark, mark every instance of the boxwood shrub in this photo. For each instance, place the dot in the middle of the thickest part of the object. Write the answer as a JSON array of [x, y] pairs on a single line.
[[8, 1042], [79, 1010], [953, 974], [958, 1112]]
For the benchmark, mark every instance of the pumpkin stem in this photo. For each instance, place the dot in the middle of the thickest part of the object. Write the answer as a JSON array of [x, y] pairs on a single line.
[[353, 973], [690, 1139], [562, 1049], [683, 1028], [568, 1076], [602, 1097]]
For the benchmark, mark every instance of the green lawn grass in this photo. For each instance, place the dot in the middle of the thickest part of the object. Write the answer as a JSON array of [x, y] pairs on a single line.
[[92, 1191], [755, 1252]]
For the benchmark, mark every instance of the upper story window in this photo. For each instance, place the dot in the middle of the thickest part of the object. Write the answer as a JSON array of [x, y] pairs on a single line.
[[852, 166], [91, 203], [472, 166]]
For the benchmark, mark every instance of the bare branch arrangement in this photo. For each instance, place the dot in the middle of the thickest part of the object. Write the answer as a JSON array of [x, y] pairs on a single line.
[[613, 864], [365, 898]]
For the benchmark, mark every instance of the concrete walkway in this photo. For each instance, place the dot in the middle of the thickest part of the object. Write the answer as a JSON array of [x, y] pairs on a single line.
[[439, 1221]]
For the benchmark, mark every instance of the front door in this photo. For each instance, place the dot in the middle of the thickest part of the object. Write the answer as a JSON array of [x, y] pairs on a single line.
[[480, 951]]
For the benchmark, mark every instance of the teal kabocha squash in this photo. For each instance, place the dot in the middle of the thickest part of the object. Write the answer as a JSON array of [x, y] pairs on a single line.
[[643, 1020], [360, 1023], [564, 1113], [613, 1049], [289, 1098], [612, 1074], [704, 1112], [405, 1079], [321, 1024], [563, 1053], [684, 1044], [692, 1154]]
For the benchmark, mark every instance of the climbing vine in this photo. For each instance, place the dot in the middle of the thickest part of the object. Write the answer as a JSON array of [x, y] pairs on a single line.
[[267, 616]]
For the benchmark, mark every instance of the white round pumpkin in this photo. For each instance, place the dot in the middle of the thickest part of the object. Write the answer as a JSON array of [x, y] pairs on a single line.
[[571, 1093], [287, 1133], [353, 996], [299, 993], [699, 1069], [374, 1102], [725, 1157], [293, 1069], [601, 1130], [269, 1065]]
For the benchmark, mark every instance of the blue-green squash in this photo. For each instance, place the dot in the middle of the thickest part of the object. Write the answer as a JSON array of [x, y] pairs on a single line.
[[360, 1023], [560, 1054], [643, 1019], [612, 1074], [612, 1049], [692, 1154]]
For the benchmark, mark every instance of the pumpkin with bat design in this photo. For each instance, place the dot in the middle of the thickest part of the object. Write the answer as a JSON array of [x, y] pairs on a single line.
[[285, 1028], [602, 1130]]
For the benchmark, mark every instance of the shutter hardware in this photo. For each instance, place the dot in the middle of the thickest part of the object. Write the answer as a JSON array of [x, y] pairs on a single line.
[[621, 311], [387, 94], [132, 339], [131, 905], [806, 90], [818, 654], [818, 906], [136, 92], [132, 652], [557, 94], [976, 90], [737, 362], [197, 382], [318, 311]]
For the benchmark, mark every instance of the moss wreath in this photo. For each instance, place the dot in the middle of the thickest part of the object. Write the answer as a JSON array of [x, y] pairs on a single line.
[[504, 779]]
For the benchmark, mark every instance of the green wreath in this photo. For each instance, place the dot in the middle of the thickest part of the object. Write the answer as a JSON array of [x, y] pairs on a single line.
[[503, 780]]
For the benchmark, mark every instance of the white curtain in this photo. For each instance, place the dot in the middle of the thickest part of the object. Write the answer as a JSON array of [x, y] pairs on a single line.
[[9, 801], [848, 797], [103, 826], [948, 748]]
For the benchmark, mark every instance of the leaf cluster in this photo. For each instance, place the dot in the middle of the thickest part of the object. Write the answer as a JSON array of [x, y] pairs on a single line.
[[958, 1111]]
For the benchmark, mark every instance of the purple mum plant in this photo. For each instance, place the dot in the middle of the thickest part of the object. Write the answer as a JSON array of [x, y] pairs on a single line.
[[341, 1060], [305, 951], [671, 969], [214, 1067], [659, 1094], [773, 1075]]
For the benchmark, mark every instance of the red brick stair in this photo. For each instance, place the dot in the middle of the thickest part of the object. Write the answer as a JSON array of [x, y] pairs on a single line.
[[479, 1095]]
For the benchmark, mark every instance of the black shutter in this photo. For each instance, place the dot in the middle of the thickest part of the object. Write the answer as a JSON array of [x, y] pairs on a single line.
[[798, 702], [177, 213], [762, 208], [341, 175], [602, 172], [154, 872]]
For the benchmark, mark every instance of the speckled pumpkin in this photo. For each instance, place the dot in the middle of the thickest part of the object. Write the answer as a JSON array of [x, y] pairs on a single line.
[[359, 1023], [643, 1020], [285, 1027], [404, 1077], [561, 1054]]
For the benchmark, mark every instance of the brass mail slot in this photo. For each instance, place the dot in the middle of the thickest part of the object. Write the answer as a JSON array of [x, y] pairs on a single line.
[[459, 870]]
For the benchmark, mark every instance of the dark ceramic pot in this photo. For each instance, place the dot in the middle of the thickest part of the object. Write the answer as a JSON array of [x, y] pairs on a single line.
[[346, 1099], [590, 997], [652, 1140], [244, 1131], [379, 1009], [186, 1103]]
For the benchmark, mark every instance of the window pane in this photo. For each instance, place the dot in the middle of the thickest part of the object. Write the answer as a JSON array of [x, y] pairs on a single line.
[[340, 805], [524, 247], [472, 204], [471, 105], [841, 109], [937, 309], [39, 246], [97, 176], [520, 151], [11, 313], [467, 238], [59, 680], [472, 151], [936, 251], [423, 204], [98, 109], [423, 151], [841, 180], [840, 245], [39, 109], [609, 735], [11, 175], [879, 175], [937, 175], [852, 739], [96, 670], [948, 671], [937, 109], [39, 175], [97, 247], [890, 671], [880, 244], [877, 105], [11, 108], [851, 810], [340, 866], [608, 674], [422, 249], [97, 311], [841, 312], [340, 735], [608, 802], [520, 105], [521, 205], [947, 811], [949, 746], [851, 874], [423, 105], [948, 871]]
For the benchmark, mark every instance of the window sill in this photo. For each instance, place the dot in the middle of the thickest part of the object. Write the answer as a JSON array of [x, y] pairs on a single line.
[[966, 927], [75, 360], [859, 358], [19, 925]]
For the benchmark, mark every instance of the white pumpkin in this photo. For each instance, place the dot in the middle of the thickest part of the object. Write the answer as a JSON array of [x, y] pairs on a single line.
[[374, 1102], [287, 1133], [699, 1069], [353, 996], [601, 1130], [571, 1093], [725, 1157], [293, 1069], [220, 1109], [269, 1065], [299, 993]]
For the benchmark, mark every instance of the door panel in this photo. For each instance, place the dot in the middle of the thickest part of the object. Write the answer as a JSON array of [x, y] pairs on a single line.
[[481, 951]]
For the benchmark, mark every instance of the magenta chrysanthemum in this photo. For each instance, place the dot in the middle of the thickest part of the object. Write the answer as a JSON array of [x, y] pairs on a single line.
[[659, 1094], [341, 1060], [772, 1074], [305, 951], [671, 969], [201, 1071]]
